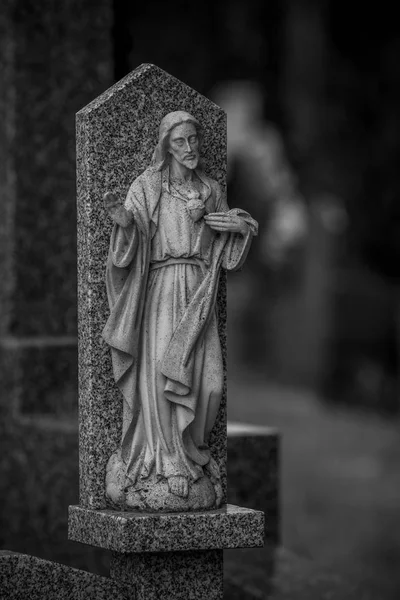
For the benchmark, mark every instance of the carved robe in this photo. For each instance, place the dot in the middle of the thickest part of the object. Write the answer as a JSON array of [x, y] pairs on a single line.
[[162, 283]]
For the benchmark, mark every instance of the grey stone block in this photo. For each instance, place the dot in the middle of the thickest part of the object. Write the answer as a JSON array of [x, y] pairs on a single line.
[[196, 575], [53, 59], [44, 89], [229, 527], [253, 472], [23, 576]]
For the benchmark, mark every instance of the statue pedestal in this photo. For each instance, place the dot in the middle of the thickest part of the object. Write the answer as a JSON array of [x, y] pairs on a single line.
[[171, 556]]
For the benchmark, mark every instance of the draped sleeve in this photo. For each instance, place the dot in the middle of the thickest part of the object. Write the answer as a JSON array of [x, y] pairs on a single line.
[[238, 245], [126, 278]]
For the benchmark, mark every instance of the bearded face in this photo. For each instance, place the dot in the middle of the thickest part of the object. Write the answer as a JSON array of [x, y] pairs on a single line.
[[184, 145]]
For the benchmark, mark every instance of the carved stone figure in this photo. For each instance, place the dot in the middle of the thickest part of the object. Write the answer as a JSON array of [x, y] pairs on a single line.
[[170, 238]]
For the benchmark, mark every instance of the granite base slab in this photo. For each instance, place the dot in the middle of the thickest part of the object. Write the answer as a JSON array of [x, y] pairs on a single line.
[[127, 532], [197, 575]]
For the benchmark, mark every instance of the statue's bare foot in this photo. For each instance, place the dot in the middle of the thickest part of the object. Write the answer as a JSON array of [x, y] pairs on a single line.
[[179, 486]]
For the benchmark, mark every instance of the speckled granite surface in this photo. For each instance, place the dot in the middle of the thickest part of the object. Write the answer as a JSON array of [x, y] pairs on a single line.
[[229, 527], [253, 473], [23, 577], [116, 134], [196, 575]]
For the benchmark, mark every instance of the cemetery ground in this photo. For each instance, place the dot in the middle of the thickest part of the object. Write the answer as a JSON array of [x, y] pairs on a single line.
[[340, 486]]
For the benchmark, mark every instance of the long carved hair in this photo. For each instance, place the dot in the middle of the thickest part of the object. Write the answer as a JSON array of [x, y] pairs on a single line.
[[161, 156]]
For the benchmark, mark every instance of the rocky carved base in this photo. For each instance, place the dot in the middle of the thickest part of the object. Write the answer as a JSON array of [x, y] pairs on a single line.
[[152, 493]]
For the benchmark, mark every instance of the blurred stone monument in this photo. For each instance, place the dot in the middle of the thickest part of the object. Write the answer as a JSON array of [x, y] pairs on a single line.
[[163, 554], [40, 93], [54, 58]]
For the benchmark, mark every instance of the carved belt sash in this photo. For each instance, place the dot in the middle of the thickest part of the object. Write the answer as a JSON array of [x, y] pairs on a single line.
[[177, 261]]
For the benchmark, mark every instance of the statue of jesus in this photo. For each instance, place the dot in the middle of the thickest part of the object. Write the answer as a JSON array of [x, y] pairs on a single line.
[[170, 239]]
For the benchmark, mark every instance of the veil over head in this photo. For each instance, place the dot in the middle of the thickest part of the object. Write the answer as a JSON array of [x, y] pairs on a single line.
[[167, 124]]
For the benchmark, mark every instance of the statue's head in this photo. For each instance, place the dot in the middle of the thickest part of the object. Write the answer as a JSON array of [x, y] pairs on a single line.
[[180, 137]]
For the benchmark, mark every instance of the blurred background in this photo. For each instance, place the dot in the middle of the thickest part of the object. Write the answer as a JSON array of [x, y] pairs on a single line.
[[312, 93]]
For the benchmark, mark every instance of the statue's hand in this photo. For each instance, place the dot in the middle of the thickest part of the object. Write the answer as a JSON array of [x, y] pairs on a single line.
[[225, 222], [116, 210]]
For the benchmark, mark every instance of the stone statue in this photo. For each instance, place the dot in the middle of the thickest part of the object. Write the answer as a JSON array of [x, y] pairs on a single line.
[[170, 238]]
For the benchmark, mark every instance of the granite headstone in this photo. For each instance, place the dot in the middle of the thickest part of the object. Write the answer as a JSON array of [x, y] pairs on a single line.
[[116, 135]]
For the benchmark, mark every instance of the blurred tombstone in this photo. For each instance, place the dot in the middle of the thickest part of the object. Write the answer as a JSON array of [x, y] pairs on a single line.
[[302, 318], [254, 473], [53, 58]]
